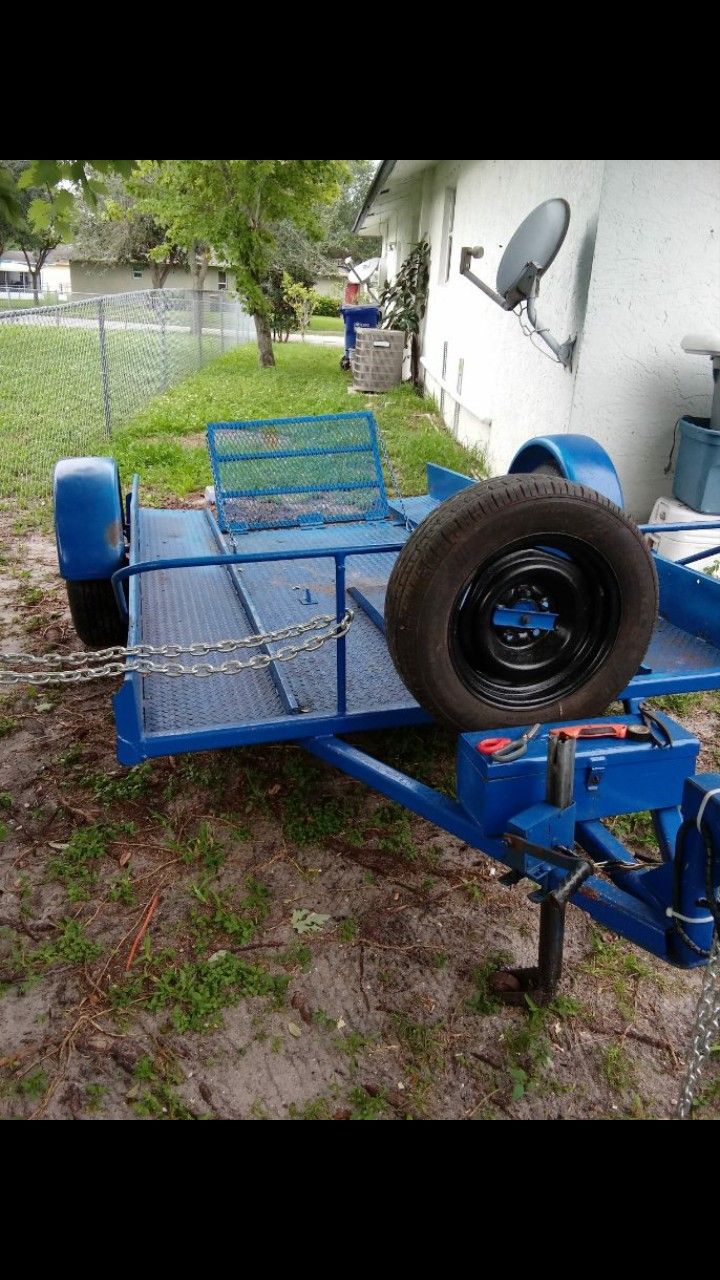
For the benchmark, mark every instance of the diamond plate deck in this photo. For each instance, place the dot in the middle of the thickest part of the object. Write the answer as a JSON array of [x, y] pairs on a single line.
[[184, 605]]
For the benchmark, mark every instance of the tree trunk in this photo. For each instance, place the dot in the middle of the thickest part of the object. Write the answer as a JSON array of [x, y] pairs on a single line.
[[199, 263], [159, 272], [264, 340], [35, 274]]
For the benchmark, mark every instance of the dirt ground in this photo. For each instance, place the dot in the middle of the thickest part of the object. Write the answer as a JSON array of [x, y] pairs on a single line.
[[313, 952]]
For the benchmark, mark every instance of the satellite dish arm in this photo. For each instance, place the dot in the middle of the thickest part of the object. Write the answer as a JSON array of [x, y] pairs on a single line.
[[562, 350], [526, 290], [466, 260]]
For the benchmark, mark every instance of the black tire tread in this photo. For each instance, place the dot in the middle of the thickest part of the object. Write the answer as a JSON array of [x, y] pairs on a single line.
[[425, 551], [95, 614]]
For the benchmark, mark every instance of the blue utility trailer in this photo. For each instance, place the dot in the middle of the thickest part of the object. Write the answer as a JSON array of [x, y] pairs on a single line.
[[308, 565]]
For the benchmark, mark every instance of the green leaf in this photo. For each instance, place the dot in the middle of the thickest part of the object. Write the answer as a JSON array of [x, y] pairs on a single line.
[[40, 173], [520, 1081], [41, 214], [308, 921]]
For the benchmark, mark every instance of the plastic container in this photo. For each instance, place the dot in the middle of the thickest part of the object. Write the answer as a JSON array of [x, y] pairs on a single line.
[[358, 317], [697, 474], [686, 542]]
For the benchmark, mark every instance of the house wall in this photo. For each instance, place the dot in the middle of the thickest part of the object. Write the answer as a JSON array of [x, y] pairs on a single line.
[[640, 267], [56, 279], [656, 277], [95, 278], [330, 286]]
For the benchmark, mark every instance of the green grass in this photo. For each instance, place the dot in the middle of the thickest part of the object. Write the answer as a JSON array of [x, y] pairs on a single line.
[[165, 443], [22, 304], [327, 324], [51, 406], [51, 393]]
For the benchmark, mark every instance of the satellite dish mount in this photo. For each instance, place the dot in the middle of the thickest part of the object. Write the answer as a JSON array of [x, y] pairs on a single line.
[[530, 253], [363, 273]]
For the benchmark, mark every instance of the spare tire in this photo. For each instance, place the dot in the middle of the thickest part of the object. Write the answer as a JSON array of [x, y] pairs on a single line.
[[521, 599]]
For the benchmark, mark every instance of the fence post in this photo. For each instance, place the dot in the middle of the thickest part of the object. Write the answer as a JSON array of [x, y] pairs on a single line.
[[104, 367], [159, 306], [237, 321], [222, 324], [199, 318]]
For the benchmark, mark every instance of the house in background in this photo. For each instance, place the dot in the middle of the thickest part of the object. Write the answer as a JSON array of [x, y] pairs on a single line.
[[67, 277], [94, 278], [16, 281], [640, 268]]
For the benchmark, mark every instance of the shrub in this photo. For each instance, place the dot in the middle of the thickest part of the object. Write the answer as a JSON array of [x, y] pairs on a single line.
[[326, 306]]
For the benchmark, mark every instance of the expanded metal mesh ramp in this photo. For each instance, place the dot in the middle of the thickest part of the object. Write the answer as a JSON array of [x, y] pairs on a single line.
[[295, 472]]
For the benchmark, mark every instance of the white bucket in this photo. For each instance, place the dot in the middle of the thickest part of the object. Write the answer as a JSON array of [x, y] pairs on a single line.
[[687, 542]]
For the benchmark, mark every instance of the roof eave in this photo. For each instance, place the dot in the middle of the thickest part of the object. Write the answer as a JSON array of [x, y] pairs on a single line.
[[381, 177]]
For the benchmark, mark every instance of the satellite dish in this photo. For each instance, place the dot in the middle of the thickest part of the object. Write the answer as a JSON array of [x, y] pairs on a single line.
[[362, 273], [532, 249]]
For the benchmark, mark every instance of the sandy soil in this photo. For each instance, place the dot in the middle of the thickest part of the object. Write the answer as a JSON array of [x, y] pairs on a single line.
[[382, 1012]]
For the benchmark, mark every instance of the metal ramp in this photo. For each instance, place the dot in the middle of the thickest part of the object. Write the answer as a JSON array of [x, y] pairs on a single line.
[[285, 473]]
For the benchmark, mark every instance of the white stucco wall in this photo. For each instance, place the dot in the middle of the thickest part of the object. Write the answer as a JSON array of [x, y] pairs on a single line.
[[640, 267], [510, 391], [656, 278]]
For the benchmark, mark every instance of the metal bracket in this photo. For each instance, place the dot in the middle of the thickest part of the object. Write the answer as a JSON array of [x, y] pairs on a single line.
[[526, 290]]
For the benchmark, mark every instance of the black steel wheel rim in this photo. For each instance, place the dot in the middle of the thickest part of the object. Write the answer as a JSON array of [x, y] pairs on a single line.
[[534, 623]]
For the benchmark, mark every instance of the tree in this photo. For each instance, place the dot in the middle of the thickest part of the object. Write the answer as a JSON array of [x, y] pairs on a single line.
[[118, 230], [339, 240], [236, 206], [36, 243], [168, 203], [53, 183], [9, 204], [301, 301]]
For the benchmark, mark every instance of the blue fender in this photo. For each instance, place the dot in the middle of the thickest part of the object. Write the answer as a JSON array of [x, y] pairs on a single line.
[[578, 458], [88, 518]]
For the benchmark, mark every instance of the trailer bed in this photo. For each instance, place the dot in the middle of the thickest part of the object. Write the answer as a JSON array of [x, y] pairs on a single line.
[[285, 701], [299, 699]]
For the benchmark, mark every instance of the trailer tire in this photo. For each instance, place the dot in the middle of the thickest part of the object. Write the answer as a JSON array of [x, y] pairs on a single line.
[[524, 546], [95, 613]]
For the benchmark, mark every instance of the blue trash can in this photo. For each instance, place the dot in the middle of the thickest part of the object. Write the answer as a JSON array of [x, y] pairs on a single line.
[[357, 317]]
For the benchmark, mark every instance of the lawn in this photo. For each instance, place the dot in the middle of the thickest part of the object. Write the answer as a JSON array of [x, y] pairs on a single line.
[[327, 324], [51, 392], [165, 443], [51, 406]]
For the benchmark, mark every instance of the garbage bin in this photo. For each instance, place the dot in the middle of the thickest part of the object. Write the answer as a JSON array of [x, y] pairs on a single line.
[[357, 317]]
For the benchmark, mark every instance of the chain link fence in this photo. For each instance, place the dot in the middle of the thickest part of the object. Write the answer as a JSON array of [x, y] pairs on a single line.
[[72, 373]]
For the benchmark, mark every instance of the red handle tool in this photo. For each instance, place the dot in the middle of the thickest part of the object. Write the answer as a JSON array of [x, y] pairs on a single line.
[[602, 731]]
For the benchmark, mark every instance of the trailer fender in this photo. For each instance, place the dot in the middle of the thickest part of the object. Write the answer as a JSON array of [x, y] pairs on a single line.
[[579, 459], [88, 518]]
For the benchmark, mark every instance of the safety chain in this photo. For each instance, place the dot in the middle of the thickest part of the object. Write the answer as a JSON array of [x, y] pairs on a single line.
[[108, 661], [706, 1028], [391, 470]]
